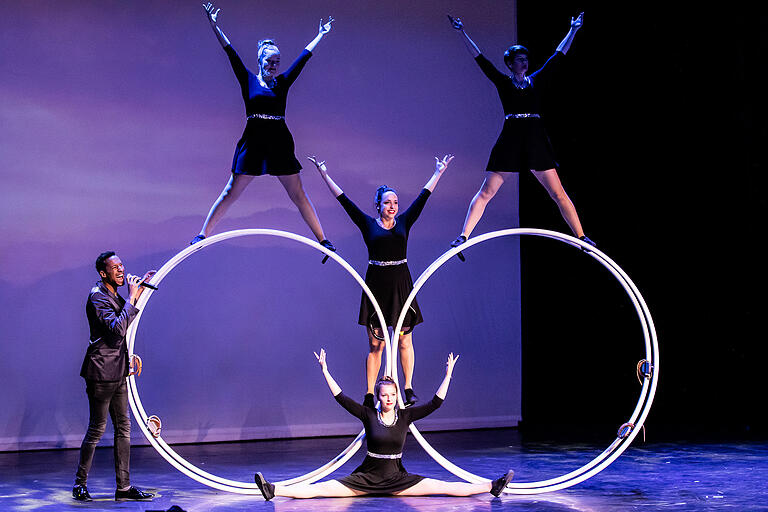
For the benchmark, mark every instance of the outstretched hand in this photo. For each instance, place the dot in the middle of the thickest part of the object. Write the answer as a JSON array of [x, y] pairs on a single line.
[[325, 27], [320, 165], [456, 22], [450, 363], [442, 165], [209, 9], [321, 359], [578, 22]]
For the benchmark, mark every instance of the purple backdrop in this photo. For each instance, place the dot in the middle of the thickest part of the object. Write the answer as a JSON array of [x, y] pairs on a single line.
[[118, 125]]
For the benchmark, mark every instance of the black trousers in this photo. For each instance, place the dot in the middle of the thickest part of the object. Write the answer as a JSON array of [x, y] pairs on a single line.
[[107, 397]]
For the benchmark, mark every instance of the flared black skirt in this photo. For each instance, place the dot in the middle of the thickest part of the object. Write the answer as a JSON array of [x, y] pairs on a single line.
[[523, 145], [380, 476], [266, 147], [391, 286]]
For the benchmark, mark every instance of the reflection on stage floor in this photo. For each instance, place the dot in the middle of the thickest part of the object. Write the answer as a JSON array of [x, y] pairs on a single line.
[[650, 476]]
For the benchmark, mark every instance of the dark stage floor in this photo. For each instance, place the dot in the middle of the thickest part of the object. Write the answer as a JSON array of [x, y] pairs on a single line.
[[652, 476]]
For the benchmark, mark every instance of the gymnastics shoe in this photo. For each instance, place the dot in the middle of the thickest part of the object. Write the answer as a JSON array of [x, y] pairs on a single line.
[[584, 238], [133, 493], [459, 240], [368, 401], [328, 245], [80, 493], [267, 489], [410, 397], [198, 238], [501, 483]]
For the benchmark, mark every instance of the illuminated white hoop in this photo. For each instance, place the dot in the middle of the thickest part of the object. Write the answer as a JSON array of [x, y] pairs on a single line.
[[646, 394], [168, 453]]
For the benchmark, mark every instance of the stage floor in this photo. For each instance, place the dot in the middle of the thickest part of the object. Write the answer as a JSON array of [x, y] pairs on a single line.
[[651, 476]]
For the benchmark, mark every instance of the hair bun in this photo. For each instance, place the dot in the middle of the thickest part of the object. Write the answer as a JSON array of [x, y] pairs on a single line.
[[383, 189]]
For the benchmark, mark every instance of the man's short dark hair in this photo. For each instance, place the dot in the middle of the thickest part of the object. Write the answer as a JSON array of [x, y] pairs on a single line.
[[101, 261]]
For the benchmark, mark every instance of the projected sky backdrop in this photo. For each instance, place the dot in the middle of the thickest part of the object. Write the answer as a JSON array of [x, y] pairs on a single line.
[[119, 120]]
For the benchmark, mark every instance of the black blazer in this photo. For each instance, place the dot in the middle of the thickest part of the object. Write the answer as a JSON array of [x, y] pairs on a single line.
[[108, 318]]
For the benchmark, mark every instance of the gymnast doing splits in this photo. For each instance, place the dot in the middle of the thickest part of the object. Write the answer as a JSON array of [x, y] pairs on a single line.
[[388, 277], [523, 143], [382, 470], [266, 146]]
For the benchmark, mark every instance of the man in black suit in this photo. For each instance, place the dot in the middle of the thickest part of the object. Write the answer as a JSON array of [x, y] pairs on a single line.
[[105, 369]]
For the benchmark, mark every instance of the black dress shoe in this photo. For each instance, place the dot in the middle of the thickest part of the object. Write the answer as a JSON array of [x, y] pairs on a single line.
[[133, 493], [584, 238], [267, 489], [501, 483], [198, 238], [328, 245], [410, 397], [459, 240], [368, 401], [80, 493]]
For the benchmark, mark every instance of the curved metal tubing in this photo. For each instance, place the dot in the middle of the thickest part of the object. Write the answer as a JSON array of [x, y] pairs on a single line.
[[647, 393], [165, 450]]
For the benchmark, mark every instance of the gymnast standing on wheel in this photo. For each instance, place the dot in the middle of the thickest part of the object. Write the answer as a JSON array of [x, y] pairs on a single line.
[[388, 277], [266, 146], [523, 143], [382, 470]]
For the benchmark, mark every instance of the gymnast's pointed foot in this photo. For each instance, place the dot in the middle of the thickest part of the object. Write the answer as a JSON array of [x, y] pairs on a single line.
[[198, 238], [585, 238], [459, 240], [267, 489], [328, 245], [410, 397], [500, 484]]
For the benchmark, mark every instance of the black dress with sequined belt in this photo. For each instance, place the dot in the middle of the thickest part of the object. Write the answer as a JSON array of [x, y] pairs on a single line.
[[390, 284], [266, 146], [523, 143], [380, 475]]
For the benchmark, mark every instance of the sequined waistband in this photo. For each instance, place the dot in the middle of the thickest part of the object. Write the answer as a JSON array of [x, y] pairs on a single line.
[[387, 263], [265, 116], [520, 116], [383, 456]]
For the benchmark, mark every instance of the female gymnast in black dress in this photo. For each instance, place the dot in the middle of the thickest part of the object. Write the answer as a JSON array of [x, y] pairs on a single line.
[[523, 143], [266, 146], [387, 276], [382, 470]]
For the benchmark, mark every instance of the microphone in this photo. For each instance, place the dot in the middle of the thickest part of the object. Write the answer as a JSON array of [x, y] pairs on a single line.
[[147, 285]]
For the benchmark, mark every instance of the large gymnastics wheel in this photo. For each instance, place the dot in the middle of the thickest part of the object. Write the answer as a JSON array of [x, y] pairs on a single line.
[[648, 368], [150, 425]]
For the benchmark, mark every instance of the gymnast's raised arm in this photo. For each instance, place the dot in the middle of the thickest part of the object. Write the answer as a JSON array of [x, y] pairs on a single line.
[[440, 167], [417, 412], [576, 24], [468, 42], [213, 15], [443, 389], [321, 31], [323, 170], [335, 389], [355, 409]]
